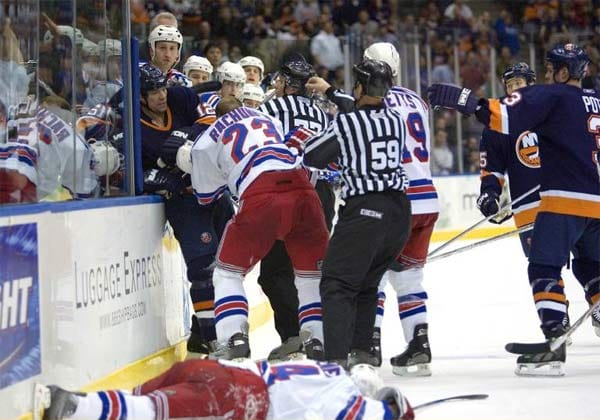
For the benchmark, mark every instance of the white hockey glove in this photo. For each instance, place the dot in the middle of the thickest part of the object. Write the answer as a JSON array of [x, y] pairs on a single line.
[[183, 159], [396, 401]]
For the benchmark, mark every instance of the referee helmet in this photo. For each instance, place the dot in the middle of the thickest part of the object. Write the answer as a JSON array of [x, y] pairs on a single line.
[[375, 77]]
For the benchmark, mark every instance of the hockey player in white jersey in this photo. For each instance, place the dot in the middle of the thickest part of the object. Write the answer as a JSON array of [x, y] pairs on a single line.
[[204, 389], [406, 275], [243, 152]]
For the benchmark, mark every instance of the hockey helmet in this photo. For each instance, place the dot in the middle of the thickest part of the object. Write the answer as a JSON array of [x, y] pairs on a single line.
[[167, 34], [89, 49], [375, 77], [110, 48], [196, 62], [253, 93], [231, 72], [519, 70], [74, 34], [386, 52], [296, 73], [151, 78], [366, 378], [250, 60], [571, 56]]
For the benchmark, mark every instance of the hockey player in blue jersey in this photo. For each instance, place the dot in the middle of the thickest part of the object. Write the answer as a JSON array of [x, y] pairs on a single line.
[[169, 125], [566, 119]]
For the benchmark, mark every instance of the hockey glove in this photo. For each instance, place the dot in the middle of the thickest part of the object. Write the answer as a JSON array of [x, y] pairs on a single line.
[[453, 97], [168, 151], [297, 138], [165, 181], [488, 203], [397, 402]]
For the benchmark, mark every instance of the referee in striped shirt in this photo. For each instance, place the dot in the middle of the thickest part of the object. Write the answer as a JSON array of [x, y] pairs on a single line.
[[374, 223]]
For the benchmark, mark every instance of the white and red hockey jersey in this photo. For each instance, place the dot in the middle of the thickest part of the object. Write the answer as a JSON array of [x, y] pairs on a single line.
[[235, 150], [45, 149], [417, 149]]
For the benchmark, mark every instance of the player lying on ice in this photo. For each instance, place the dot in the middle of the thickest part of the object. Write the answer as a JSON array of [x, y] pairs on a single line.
[[203, 388]]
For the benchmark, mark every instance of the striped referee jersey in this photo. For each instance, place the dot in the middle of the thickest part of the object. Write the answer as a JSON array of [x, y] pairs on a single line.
[[296, 111], [368, 144]]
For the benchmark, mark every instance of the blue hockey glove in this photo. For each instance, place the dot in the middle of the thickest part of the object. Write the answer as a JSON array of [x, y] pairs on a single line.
[[488, 203], [165, 181], [453, 97]]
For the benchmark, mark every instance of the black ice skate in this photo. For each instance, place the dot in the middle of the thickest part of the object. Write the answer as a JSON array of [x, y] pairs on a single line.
[[376, 346], [290, 349], [358, 357], [237, 347], [198, 347], [312, 346], [550, 363], [62, 403], [416, 358]]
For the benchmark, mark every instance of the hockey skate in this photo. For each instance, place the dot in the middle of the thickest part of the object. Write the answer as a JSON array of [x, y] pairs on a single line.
[[376, 346], [312, 346], [198, 347], [550, 363], [596, 321], [358, 357], [62, 403], [290, 349], [237, 347], [415, 360]]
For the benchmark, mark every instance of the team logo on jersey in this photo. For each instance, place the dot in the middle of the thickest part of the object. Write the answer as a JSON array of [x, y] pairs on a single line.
[[206, 237], [527, 150]]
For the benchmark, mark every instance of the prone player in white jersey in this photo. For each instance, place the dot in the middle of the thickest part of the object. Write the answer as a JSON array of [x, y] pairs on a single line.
[[406, 275], [243, 152], [245, 390]]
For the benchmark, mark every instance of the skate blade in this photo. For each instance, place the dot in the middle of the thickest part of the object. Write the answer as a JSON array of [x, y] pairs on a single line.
[[546, 369], [41, 400], [421, 369]]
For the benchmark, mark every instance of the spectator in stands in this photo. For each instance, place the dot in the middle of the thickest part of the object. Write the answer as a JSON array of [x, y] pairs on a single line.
[[364, 28], [214, 54], [552, 29], [442, 158], [163, 18], [307, 10], [442, 72], [326, 47], [472, 73], [507, 32], [459, 15]]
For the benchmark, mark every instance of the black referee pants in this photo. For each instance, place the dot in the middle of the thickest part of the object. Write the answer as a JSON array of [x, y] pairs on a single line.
[[371, 231], [276, 276]]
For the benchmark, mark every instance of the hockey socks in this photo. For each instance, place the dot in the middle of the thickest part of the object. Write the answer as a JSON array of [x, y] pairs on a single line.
[[116, 405], [231, 305]]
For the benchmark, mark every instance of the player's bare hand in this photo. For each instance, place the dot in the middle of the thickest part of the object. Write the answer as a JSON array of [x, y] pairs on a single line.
[[317, 85]]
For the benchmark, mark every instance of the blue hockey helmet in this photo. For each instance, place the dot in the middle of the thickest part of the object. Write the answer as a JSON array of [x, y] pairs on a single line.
[[151, 78], [521, 70], [571, 56]]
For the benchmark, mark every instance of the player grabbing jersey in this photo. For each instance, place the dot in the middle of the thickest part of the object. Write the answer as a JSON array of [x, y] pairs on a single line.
[[243, 152]]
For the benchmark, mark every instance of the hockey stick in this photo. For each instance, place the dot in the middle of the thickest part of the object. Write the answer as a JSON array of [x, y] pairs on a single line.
[[470, 228], [546, 346], [209, 86], [455, 398], [523, 228]]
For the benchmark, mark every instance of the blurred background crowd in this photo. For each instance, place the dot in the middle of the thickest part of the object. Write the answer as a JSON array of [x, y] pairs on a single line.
[[469, 43]]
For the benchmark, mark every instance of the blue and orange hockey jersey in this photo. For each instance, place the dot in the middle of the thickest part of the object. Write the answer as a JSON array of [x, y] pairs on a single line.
[[567, 121]]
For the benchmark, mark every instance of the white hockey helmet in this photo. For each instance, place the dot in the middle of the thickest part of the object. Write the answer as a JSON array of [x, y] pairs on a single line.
[[367, 379], [231, 72], [196, 62], [107, 159], [250, 60], [386, 52], [253, 93], [168, 34], [89, 48], [110, 48], [74, 34]]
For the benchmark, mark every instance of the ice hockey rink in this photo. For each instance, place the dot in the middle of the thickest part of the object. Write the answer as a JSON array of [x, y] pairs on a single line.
[[478, 301]]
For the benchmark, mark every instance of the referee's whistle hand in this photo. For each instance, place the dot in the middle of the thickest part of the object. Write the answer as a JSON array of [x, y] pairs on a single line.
[[317, 85]]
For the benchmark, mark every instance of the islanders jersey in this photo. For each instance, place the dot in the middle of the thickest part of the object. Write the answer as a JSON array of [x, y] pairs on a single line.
[[317, 390], [181, 112], [567, 121], [235, 150], [518, 157], [417, 147], [47, 151]]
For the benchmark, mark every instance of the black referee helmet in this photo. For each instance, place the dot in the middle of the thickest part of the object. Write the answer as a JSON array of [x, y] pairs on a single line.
[[375, 77], [296, 73]]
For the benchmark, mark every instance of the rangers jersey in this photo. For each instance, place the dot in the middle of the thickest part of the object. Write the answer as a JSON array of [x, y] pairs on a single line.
[[518, 157], [567, 121], [292, 393], [235, 150], [47, 151], [417, 147]]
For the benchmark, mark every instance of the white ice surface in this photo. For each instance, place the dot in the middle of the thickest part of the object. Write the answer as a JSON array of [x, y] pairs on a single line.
[[479, 301]]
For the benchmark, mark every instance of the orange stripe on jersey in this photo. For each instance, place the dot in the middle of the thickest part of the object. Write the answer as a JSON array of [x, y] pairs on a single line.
[[558, 297], [595, 298], [526, 217], [572, 206], [204, 305], [496, 115], [207, 119]]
